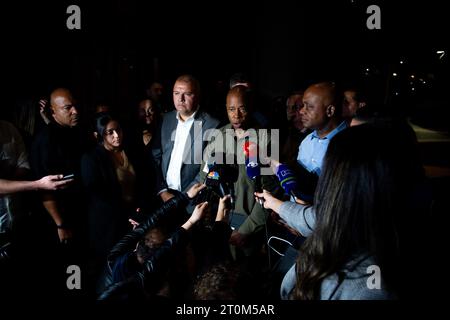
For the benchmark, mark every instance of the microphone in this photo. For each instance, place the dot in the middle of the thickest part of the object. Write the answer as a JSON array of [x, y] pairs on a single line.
[[288, 182], [221, 179], [254, 172], [250, 149], [252, 167]]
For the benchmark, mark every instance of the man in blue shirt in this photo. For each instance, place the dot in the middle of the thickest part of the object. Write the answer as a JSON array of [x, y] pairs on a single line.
[[322, 113]]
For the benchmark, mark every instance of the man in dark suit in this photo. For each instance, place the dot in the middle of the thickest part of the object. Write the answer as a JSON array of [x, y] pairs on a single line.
[[184, 134]]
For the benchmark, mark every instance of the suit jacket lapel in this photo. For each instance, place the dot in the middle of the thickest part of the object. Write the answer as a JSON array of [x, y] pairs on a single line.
[[194, 132]]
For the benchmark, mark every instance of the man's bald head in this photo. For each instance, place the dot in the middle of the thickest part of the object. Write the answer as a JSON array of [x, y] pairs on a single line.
[[322, 103], [326, 90], [62, 105]]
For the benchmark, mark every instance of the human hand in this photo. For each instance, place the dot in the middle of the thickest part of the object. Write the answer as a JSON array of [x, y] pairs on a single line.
[[270, 202], [133, 223], [42, 104], [53, 182], [223, 209], [194, 190], [198, 213], [64, 235]]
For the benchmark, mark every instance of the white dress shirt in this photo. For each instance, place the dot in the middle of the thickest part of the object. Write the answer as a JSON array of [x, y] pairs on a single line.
[[173, 178]]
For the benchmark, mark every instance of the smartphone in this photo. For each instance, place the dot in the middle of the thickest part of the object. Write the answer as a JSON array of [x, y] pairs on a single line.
[[67, 177]]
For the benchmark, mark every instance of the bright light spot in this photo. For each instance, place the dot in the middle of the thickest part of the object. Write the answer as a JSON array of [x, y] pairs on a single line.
[[367, 69], [412, 76], [394, 74], [413, 88], [401, 62], [441, 53]]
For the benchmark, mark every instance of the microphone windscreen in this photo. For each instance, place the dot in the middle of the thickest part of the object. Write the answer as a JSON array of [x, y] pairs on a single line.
[[250, 149], [287, 179], [252, 169]]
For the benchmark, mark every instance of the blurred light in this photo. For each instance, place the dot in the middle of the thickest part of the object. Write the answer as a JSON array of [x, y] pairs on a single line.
[[367, 69], [412, 89], [441, 53], [396, 93], [394, 74], [401, 62], [412, 76]]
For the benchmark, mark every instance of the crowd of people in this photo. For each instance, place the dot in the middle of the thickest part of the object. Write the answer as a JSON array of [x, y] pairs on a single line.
[[126, 200]]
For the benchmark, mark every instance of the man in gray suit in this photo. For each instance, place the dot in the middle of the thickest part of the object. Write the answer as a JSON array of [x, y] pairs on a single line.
[[184, 135]]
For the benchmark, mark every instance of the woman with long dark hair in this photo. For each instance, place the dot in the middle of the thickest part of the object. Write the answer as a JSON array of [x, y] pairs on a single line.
[[115, 184], [363, 220]]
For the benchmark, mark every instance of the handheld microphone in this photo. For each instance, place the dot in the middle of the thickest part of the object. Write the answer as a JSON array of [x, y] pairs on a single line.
[[221, 179], [254, 172], [288, 182], [250, 150]]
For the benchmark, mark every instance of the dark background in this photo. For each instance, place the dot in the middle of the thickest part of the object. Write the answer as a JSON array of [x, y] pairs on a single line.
[[283, 45]]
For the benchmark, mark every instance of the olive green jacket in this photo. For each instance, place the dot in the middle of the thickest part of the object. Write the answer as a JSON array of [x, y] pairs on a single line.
[[223, 141]]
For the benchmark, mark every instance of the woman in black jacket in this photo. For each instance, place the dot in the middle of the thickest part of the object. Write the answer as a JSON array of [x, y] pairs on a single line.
[[115, 182]]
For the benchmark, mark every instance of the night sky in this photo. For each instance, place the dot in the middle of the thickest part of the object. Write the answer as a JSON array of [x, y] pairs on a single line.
[[283, 45]]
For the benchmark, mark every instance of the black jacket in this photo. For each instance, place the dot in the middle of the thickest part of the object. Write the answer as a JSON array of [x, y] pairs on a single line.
[[108, 214], [157, 262]]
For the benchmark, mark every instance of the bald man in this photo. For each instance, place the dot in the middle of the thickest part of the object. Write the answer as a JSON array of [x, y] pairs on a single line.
[[58, 149], [322, 114]]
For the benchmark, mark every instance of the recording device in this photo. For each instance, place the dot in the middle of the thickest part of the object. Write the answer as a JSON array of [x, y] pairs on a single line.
[[252, 167], [288, 182], [219, 182], [253, 171], [68, 177]]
